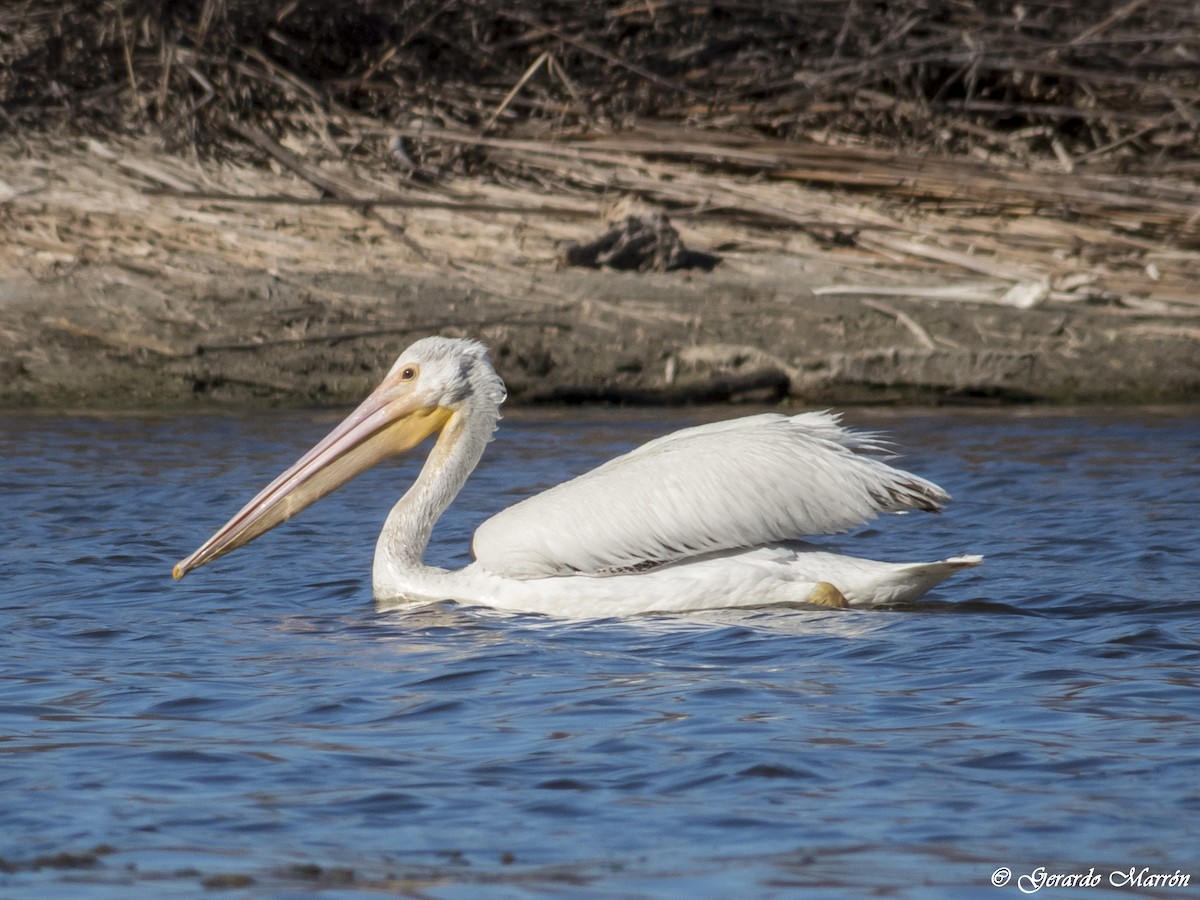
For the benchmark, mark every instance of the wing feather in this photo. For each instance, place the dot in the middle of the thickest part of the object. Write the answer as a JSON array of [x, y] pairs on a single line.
[[723, 486]]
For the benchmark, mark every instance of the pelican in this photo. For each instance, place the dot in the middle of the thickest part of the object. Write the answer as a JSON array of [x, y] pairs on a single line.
[[705, 517]]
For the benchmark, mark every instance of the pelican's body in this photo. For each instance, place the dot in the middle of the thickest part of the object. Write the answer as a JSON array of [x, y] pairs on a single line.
[[702, 518], [784, 573]]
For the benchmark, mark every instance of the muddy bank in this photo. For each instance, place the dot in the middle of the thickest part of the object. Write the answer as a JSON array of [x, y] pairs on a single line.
[[130, 278], [112, 339]]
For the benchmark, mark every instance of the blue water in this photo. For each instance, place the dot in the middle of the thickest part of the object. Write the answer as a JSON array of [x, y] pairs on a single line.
[[261, 729]]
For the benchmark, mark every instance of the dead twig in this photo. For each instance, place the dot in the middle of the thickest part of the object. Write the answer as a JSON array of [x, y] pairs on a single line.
[[904, 319], [261, 139], [547, 210], [1107, 22], [529, 73]]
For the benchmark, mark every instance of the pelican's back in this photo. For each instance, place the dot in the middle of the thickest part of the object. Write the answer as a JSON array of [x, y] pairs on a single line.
[[722, 486]]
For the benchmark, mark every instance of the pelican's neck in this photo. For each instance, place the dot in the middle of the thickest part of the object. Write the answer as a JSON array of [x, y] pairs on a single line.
[[406, 532]]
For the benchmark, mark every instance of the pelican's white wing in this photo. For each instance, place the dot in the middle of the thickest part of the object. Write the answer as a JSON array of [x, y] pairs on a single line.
[[731, 484]]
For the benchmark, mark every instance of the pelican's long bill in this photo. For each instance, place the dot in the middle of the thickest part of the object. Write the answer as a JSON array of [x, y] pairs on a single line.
[[390, 421]]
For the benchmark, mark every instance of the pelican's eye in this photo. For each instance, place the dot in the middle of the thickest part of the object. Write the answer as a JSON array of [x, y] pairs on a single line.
[[409, 373]]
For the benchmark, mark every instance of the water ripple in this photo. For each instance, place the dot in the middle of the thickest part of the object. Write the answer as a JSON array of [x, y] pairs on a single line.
[[264, 730]]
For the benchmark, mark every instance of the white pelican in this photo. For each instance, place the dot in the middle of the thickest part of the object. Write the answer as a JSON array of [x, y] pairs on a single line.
[[702, 518]]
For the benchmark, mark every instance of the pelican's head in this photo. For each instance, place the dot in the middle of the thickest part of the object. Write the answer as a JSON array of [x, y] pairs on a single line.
[[434, 383]]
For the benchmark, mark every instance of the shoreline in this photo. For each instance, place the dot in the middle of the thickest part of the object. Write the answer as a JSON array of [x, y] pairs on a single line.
[[118, 294]]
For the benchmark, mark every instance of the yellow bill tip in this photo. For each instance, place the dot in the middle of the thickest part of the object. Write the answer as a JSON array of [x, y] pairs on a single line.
[[179, 571]]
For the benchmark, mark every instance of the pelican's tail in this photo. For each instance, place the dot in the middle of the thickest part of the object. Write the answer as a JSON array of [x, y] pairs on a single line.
[[902, 582]]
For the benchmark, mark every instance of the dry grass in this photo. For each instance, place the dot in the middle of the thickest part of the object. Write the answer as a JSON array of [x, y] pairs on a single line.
[[1110, 81], [1045, 149]]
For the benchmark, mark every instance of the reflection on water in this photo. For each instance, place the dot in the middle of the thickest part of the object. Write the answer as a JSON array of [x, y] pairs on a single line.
[[262, 727]]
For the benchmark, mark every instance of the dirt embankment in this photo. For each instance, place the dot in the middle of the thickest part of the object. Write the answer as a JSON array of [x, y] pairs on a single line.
[[114, 295], [974, 202]]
